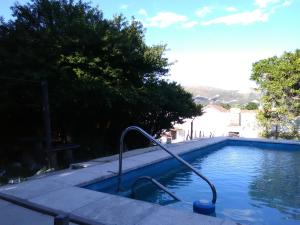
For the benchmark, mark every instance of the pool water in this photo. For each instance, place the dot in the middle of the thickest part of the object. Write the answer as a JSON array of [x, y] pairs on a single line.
[[254, 185]]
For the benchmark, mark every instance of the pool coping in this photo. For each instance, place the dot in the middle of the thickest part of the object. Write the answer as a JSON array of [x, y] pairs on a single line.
[[62, 191]]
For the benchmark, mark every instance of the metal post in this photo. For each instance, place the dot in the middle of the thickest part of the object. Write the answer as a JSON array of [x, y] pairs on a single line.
[[155, 182], [276, 131], [191, 137], [61, 220], [47, 124], [192, 126]]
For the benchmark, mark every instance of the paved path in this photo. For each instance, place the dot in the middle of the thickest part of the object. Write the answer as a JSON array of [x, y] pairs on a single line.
[[11, 214]]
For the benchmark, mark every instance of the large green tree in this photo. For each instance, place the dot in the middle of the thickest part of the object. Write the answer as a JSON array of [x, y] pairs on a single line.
[[279, 82], [101, 74]]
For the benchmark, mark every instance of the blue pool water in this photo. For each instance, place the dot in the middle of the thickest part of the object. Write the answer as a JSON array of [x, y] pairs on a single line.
[[255, 185]]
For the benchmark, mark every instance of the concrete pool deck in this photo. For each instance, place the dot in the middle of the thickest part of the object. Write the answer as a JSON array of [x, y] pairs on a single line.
[[62, 191]]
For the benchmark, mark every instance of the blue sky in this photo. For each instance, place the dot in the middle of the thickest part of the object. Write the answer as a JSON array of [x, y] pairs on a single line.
[[213, 43]]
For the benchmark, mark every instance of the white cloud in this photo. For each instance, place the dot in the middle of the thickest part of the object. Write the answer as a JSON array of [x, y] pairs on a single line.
[[231, 9], [142, 12], [203, 11], [264, 3], [124, 7], [190, 24], [243, 18], [287, 3], [165, 19]]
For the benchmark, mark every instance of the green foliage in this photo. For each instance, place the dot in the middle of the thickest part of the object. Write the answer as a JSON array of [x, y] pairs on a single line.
[[251, 106], [226, 105], [279, 81], [102, 76]]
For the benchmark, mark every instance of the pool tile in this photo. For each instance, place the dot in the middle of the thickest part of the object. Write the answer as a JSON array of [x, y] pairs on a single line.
[[68, 199], [4, 203], [16, 215], [33, 188], [116, 210], [78, 177], [167, 216]]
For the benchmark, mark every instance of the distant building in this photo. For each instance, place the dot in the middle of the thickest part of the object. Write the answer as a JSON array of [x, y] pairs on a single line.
[[218, 121]]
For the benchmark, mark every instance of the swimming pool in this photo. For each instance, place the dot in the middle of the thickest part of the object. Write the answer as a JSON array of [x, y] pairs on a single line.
[[257, 182]]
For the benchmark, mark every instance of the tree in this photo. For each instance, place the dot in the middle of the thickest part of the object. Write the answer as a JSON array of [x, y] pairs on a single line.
[[226, 106], [102, 76], [251, 106], [279, 82]]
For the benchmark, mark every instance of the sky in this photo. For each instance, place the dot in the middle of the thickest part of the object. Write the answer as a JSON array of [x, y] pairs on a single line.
[[211, 43]]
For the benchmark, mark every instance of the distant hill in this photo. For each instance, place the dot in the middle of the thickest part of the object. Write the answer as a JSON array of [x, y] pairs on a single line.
[[205, 95]]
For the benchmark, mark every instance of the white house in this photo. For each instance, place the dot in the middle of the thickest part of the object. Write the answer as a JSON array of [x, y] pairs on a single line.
[[218, 121]]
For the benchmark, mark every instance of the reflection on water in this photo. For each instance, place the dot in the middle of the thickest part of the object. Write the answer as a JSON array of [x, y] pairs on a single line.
[[255, 186], [277, 185]]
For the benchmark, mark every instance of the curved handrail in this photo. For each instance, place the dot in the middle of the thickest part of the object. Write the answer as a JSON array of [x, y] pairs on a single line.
[[154, 182], [212, 187]]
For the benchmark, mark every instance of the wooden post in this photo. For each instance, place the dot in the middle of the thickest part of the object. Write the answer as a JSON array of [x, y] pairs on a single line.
[[61, 220], [47, 125]]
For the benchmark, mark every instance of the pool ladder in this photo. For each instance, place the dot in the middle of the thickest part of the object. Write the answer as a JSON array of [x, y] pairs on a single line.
[[156, 183], [159, 185]]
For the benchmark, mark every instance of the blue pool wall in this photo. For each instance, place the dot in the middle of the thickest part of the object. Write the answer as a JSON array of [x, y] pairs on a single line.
[[110, 185], [265, 145], [152, 170]]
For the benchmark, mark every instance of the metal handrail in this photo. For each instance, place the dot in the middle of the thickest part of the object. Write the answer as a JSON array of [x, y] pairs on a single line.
[[154, 182], [212, 187]]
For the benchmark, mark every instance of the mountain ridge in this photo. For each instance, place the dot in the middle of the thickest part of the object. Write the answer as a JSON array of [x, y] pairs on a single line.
[[207, 94]]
